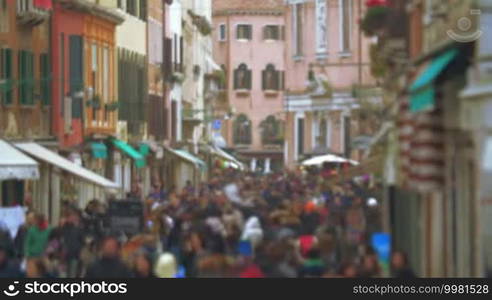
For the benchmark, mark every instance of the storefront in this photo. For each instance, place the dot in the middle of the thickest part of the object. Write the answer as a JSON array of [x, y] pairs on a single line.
[[53, 167], [15, 169], [185, 167]]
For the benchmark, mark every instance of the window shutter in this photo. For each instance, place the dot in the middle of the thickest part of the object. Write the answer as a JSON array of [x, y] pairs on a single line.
[[181, 54], [236, 81], [76, 71], [167, 65], [31, 78], [248, 79], [20, 68], [282, 80], [8, 75], [238, 32], [3, 65], [45, 79], [263, 80], [276, 80], [282, 33], [143, 10], [276, 32], [265, 32], [249, 32]]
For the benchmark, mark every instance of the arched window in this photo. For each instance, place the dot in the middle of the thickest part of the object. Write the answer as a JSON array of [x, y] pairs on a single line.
[[272, 131], [272, 79], [242, 78], [242, 130]]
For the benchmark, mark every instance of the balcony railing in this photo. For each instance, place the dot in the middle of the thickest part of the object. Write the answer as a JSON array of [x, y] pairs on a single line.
[[33, 12]]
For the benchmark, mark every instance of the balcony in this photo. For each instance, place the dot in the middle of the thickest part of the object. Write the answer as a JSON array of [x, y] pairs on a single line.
[[193, 116], [33, 12]]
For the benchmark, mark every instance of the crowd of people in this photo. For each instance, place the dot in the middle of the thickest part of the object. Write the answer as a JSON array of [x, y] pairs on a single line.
[[238, 224]]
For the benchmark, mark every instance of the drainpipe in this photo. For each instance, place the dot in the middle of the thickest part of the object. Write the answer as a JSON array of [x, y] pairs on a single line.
[[360, 44]]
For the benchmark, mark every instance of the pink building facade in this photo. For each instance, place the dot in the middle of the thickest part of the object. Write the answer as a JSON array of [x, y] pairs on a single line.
[[249, 44], [327, 62]]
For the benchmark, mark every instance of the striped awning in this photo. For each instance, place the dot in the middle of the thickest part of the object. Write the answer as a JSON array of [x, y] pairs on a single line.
[[421, 148]]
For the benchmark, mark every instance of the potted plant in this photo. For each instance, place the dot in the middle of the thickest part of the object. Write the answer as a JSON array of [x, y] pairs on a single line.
[[376, 17], [95, 103], [112, 106], [201, 23]]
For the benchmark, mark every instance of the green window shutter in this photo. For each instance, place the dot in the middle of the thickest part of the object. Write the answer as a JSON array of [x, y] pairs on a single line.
[[31, 79], [76, 73], [20, 85], [8, 76], [45, 79]]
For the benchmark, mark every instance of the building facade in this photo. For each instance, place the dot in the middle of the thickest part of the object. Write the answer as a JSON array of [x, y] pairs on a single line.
[[25, 91], [249, 42], [327, 59]]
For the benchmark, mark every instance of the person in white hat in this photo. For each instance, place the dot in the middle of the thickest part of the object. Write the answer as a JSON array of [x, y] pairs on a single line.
[[166, 266]]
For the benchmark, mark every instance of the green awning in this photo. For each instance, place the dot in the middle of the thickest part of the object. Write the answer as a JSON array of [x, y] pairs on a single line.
[[99, 150], [189, 157], [422, 91], [144, 149], [130, 151]]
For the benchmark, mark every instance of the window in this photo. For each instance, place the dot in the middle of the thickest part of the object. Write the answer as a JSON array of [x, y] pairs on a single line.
[[26, 77], [222, 32], [272, 131], [272, 79], [244, 32], [6, 76], [45, 68], [242, 78], [345, 25], [321, 26], [131, 7], [143, 10], [242, 130], [273, 32], [297, 29]]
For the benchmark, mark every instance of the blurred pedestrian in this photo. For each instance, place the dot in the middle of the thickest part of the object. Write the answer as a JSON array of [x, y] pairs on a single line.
[[72, 238], [37, 237], [110, 264], [400, 267], [143, 266], [8, 267]]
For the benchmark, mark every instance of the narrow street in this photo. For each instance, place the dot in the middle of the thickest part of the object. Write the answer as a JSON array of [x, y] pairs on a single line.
[[245, 138]]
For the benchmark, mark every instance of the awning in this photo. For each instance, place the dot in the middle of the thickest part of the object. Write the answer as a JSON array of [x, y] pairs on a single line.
[[329, 158], [212, 64], [188, 157], [234, 162], [41, 153], [130, 151], [422, 91], [99, 150], [15, 164]]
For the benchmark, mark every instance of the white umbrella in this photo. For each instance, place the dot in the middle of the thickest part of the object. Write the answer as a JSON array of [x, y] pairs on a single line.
[[328, 158]]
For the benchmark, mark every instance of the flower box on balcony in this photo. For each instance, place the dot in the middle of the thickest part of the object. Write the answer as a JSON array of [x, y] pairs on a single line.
[[375, 20]]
